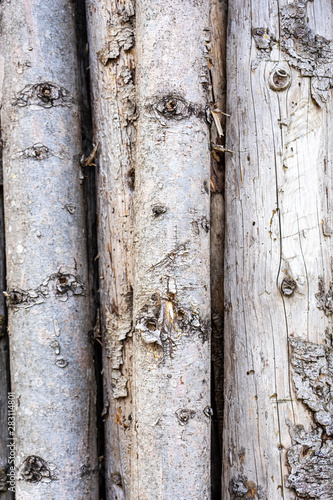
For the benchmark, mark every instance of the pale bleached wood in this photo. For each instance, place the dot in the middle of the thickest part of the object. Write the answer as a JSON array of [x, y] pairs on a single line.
[[112, 69], [52, 371], [279, 220]]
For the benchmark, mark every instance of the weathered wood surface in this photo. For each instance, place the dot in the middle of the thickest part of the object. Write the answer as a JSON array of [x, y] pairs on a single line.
[[112, 69], [278, 260], [171, 347], [51, 356]]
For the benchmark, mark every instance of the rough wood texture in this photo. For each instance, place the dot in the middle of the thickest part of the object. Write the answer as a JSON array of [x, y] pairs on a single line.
[[171, 351], [112, 69], [217, 65], [51, 356], [278, 274]]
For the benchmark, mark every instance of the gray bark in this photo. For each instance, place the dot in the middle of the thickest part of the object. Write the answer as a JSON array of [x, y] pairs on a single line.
[[278, 260], [171, 349], [112, 69], [51, 357]]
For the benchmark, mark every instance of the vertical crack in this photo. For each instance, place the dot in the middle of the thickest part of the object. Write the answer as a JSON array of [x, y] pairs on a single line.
[[5, 494], [89, 186]]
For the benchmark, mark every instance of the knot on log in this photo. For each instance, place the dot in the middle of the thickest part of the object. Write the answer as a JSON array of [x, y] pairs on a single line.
[[184, 416], [44, 94]]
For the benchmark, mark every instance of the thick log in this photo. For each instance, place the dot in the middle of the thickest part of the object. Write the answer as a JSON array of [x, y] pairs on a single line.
[[278, 260], [171, 346], [49, 319]]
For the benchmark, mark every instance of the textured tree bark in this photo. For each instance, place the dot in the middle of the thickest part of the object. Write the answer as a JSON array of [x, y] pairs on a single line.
[[171, 349], [51, 357], [112, 68], [278, 274], [218, 26]]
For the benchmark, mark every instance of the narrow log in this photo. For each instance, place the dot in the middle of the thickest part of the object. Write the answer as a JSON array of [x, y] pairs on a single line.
[[171, 349], [49, 319]]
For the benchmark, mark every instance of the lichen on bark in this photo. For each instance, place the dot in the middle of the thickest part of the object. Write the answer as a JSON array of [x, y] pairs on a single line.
[[312, 376], [325, 299], [310, 53], [310, 458]]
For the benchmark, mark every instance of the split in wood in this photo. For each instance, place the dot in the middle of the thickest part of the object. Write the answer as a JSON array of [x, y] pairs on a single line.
[[88, 161], [216, 112]]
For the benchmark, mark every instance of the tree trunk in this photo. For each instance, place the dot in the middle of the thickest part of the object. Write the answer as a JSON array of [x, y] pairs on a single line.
[[171, 350], [51, 357], [278, 274], [112, 68]]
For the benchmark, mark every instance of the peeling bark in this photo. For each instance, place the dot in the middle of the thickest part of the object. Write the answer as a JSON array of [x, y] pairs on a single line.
[[305, 50], [278, 219], [112, 70], [49, 316], [313, 379], [310, 459], [171, 351]]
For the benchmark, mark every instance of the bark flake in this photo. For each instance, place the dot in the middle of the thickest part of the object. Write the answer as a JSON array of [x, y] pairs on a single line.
[[264, 42], [46, 95], [119, 37], [240, 487], [312, 371], [117, 331], [325, 299], [310, 460], [304, 50]]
